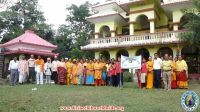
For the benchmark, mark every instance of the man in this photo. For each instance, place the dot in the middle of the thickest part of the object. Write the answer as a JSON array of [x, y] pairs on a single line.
[[54, 69], [23, 70], [182, 73], [119, 72], [157, 71], [39, 66], [31, 68], [167, 72], [13, 68]]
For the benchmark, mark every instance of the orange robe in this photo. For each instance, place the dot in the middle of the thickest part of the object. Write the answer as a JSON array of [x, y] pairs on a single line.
[[150, 75], [69, 72], [74, 74]]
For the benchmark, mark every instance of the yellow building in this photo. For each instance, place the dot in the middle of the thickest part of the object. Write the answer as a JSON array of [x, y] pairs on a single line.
[[141, 27]]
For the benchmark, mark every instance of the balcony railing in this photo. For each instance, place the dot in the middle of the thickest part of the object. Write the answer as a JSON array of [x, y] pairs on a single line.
[[173, 1], [135, 40]]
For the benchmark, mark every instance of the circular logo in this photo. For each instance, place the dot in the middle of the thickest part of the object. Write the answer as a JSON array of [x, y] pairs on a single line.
[[190, 101]]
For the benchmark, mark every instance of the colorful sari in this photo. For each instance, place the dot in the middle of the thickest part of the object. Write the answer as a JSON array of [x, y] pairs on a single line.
[[69, 73], [150, 75], [174, 83], [90, 77], [61, 75], [182, 77], [74, 74]]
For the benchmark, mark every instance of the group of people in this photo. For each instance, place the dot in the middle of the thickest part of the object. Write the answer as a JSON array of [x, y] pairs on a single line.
[[167, 72], [66, 71], [172, 73]]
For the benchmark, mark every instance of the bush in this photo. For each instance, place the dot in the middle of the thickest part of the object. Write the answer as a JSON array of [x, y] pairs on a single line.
[[127, 76]]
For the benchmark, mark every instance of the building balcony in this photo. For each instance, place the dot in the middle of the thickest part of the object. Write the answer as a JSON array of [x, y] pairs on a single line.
[[135, 40]]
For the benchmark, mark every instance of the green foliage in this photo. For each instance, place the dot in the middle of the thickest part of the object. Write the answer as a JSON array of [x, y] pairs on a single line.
[[193, 23], [127, 76], [76, 33], [23, 15]]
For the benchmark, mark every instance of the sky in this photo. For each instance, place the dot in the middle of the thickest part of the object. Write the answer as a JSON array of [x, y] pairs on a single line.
[[55, 10]]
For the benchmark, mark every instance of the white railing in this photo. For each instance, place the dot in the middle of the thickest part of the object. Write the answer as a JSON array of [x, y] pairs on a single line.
[[173, 1], [135, 40]]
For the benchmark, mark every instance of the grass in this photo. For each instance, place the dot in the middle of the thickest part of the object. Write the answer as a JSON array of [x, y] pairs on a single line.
[[48, 98]]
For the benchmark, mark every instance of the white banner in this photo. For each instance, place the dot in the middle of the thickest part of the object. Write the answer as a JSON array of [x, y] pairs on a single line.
[[131, 62]]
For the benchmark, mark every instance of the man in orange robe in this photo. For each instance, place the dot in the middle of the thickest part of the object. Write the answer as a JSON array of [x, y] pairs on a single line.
[[39, 66]]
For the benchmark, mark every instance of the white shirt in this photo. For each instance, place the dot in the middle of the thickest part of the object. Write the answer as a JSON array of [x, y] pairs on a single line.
[[55, 65], [157, 64], [13, 65], [31, 62]]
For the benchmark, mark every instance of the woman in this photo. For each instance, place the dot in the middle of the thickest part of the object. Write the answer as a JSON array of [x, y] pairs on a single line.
[[47, 69], [182, 76], [74, 72], [80, 68], [143, 74], [97, 73], [90, 73], [174, 83], [150, 73], [62, 72], [108, 73], [23, 70]]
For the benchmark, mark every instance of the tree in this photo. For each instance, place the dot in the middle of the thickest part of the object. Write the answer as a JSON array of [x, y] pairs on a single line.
[[23, 15], [193, 23], [76, 33]]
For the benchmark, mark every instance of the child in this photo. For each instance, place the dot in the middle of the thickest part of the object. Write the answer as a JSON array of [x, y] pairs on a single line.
[[143, 73]]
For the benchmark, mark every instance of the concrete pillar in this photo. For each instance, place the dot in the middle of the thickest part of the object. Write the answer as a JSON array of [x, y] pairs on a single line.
[[175, 26], [112, 33], [152, 26], [97, 55], [113, 54], [96, 35], [131, 28]]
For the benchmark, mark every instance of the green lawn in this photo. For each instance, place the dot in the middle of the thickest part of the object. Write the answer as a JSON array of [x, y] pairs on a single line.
[[48, 98]]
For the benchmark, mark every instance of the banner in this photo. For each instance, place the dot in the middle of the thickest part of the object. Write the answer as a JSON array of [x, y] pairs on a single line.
[[131, 62]]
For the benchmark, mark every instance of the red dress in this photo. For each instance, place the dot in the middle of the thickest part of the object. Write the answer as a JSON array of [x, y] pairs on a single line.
[[61, 75]]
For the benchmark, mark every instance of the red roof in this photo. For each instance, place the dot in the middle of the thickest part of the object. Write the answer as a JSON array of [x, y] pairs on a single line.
[[30, 38]]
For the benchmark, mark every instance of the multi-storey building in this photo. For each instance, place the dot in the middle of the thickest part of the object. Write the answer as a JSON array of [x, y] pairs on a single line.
[[141, 27]]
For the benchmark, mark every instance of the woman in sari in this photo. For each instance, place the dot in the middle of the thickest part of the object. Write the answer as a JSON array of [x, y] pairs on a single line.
[[174, 83], [182, 76], [69, 71], [90, 73], [80, 68], [97, 73], [150, 73], [62, 72], [74, 72]]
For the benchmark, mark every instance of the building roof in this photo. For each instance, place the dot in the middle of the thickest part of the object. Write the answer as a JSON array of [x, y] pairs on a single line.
[[30, 38], [42, 53]]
